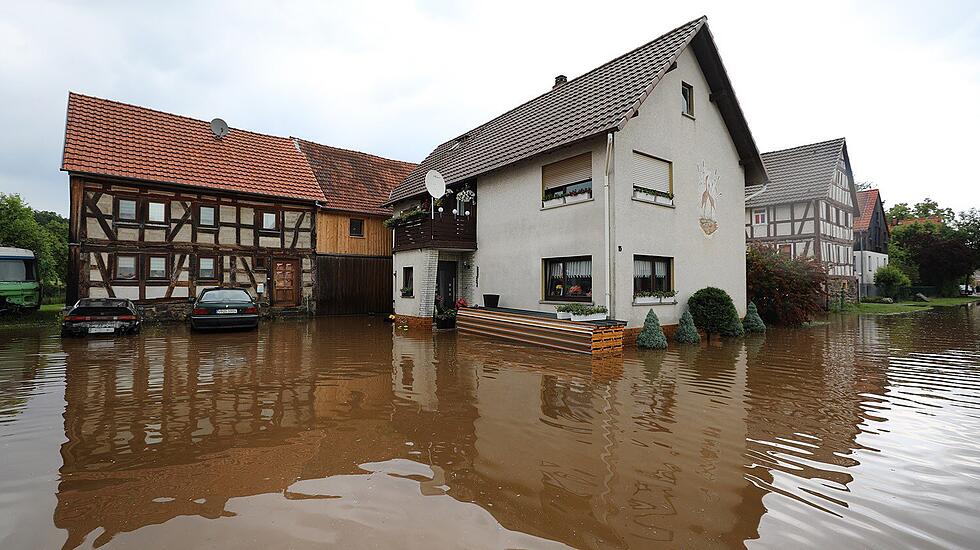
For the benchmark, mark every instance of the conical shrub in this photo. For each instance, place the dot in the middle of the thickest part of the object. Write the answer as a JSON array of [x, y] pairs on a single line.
[[652, 335], [687, 333], [753, 322]]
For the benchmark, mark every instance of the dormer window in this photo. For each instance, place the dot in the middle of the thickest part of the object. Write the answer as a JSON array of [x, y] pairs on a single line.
[[687, 93]]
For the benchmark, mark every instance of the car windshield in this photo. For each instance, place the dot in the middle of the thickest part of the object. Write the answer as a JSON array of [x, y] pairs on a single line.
[[226, 295], [16, 270]]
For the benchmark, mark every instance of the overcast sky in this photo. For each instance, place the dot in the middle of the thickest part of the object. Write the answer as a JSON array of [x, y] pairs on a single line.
[[899, 80]]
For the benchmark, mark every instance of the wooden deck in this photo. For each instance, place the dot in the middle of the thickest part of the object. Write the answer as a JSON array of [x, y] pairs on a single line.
[[543, 329]]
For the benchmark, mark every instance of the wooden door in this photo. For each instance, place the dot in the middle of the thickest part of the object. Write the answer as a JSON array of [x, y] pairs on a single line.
[[286, 280]]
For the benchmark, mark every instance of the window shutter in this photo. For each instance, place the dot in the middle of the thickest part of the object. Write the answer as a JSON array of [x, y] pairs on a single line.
[[568, 171], [651, 173]]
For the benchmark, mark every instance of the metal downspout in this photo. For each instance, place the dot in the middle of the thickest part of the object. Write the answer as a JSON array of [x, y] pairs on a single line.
[[608, 226]]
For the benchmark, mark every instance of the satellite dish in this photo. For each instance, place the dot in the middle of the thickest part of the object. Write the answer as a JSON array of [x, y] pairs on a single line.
[[435, 184], [219, 128]]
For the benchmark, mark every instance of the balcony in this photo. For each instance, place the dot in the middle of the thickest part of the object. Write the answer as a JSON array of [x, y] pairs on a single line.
[[445, 231]]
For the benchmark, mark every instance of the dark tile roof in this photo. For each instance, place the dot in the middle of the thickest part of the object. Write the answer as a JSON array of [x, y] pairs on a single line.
[[109, 138], [601, 100], [798, 174], [867, 200], [352, 180]]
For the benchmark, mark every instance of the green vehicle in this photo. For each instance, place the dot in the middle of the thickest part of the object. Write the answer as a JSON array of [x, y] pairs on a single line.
[[20, 288]]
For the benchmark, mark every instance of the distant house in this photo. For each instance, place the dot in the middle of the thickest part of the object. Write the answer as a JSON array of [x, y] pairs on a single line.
[[162, 206], [626, 181], [808, 208], [870, 236], [895, 222]]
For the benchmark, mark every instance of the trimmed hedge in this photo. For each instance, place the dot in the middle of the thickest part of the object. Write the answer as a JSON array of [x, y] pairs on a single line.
[[687, 333], [714, 312], [753, 322], [652, 335]]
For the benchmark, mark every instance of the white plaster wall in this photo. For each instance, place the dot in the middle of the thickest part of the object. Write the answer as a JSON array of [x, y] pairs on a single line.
[[514, 233], [424, 264], [646, 229]]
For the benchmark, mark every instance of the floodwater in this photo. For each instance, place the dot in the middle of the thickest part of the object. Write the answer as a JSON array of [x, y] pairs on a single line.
[[342, 432]]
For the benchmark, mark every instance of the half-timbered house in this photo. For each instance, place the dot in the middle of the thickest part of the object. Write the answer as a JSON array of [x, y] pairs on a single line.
[[870, 237], [809, 206], [162, 206]]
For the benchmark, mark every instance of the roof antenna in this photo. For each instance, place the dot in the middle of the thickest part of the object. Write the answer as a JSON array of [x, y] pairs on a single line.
[[219, 128]]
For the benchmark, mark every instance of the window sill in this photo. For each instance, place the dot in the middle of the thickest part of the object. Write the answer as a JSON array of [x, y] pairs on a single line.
[[357, 236], [566, 302], [408, 296], [670, 303], [553, 206], [654, 202], [690, 116]]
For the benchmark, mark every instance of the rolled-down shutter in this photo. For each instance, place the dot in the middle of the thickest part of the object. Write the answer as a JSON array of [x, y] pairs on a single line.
[[568, 171], [651, 173]]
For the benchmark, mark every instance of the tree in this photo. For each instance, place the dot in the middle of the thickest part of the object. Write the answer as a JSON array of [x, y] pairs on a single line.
[[753, 322], [652, 335], [687, 333], [787, 291], [929, 208], [45, 233], [899, 211], [941, 254], [891, 281], [714, 312]]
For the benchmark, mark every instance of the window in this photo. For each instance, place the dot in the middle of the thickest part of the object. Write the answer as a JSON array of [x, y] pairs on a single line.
[[206, 268], [652, 177], [408, 281], [786, 250], [157, 267], [759, 216], [126, 210], [567, 181], [156, 212], [652, 274], [356, 227], [687, 93], [261, 262], [270, 222], [568, 279], [205, 216], [16, 270], [126, 267]]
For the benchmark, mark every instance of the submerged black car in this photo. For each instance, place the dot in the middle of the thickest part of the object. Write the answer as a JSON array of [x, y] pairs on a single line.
[[101, 316], [224, 308]]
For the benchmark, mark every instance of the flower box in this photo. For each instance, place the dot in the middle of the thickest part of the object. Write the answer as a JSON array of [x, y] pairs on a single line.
[[553, 202], [644, 300], [569, 199], [590, 317], [563, 315]]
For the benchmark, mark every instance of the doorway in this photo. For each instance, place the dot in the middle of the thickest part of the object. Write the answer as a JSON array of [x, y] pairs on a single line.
[[285, 280], [446, 285]]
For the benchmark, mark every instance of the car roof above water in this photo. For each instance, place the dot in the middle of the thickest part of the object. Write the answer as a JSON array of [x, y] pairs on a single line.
[[9, 252]]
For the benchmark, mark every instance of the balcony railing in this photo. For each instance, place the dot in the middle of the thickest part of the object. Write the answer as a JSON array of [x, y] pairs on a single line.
[[445, 230]]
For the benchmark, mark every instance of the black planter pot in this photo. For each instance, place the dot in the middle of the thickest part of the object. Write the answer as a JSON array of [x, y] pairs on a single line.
[[445, 323], [491, 300]]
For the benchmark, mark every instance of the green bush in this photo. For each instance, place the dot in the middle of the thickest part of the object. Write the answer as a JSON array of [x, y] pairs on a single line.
[[687, 333], [753, 322], [714, 312], [652, 335], [892, 282], [787, 291]]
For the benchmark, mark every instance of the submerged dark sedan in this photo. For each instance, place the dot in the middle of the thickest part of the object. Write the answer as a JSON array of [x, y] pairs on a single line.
[[101, 316], [224, 308]]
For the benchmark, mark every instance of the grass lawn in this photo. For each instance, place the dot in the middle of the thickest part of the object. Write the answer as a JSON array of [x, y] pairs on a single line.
[[907, 307], [49, 314]]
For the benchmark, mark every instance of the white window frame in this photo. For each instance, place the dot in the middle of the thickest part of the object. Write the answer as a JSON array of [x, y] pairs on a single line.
[[765, 216]]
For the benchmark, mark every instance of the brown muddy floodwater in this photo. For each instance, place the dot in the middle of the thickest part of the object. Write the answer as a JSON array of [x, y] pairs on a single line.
[[343, 433]]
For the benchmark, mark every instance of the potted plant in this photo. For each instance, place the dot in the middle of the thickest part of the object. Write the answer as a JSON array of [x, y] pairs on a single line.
[[581, 312], [666, 294], [564, 311], [644, 297], [407, 292], [445, 318], [576, 196], [553, 200]]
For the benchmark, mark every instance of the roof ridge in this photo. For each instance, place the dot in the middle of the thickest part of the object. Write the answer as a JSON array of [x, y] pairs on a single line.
[[166, 113], [803, 146], [701, 19], [335, 148]]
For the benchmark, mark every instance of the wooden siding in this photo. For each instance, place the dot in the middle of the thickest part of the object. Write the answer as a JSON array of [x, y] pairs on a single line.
[[537, 330], [353, 284], [333, 235]]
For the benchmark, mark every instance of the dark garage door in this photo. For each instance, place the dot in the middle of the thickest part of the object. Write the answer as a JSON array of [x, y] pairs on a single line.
[[353, 284]]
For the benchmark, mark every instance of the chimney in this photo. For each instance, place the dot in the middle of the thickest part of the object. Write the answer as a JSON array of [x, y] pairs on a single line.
[[560, 80]]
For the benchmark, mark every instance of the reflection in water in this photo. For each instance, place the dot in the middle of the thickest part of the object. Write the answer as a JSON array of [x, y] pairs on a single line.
[[338, 431]]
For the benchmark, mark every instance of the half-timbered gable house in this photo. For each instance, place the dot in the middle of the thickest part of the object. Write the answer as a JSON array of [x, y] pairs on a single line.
[[809, 206], [353, 246], [870, 236], [162, 206]]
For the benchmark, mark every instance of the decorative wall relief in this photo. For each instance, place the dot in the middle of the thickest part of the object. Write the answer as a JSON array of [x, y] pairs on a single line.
[[708, 186]]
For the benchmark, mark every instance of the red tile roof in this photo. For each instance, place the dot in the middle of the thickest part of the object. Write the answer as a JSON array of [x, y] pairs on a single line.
[[867, 200], [909, 221], [352, 180], [116, 139]]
